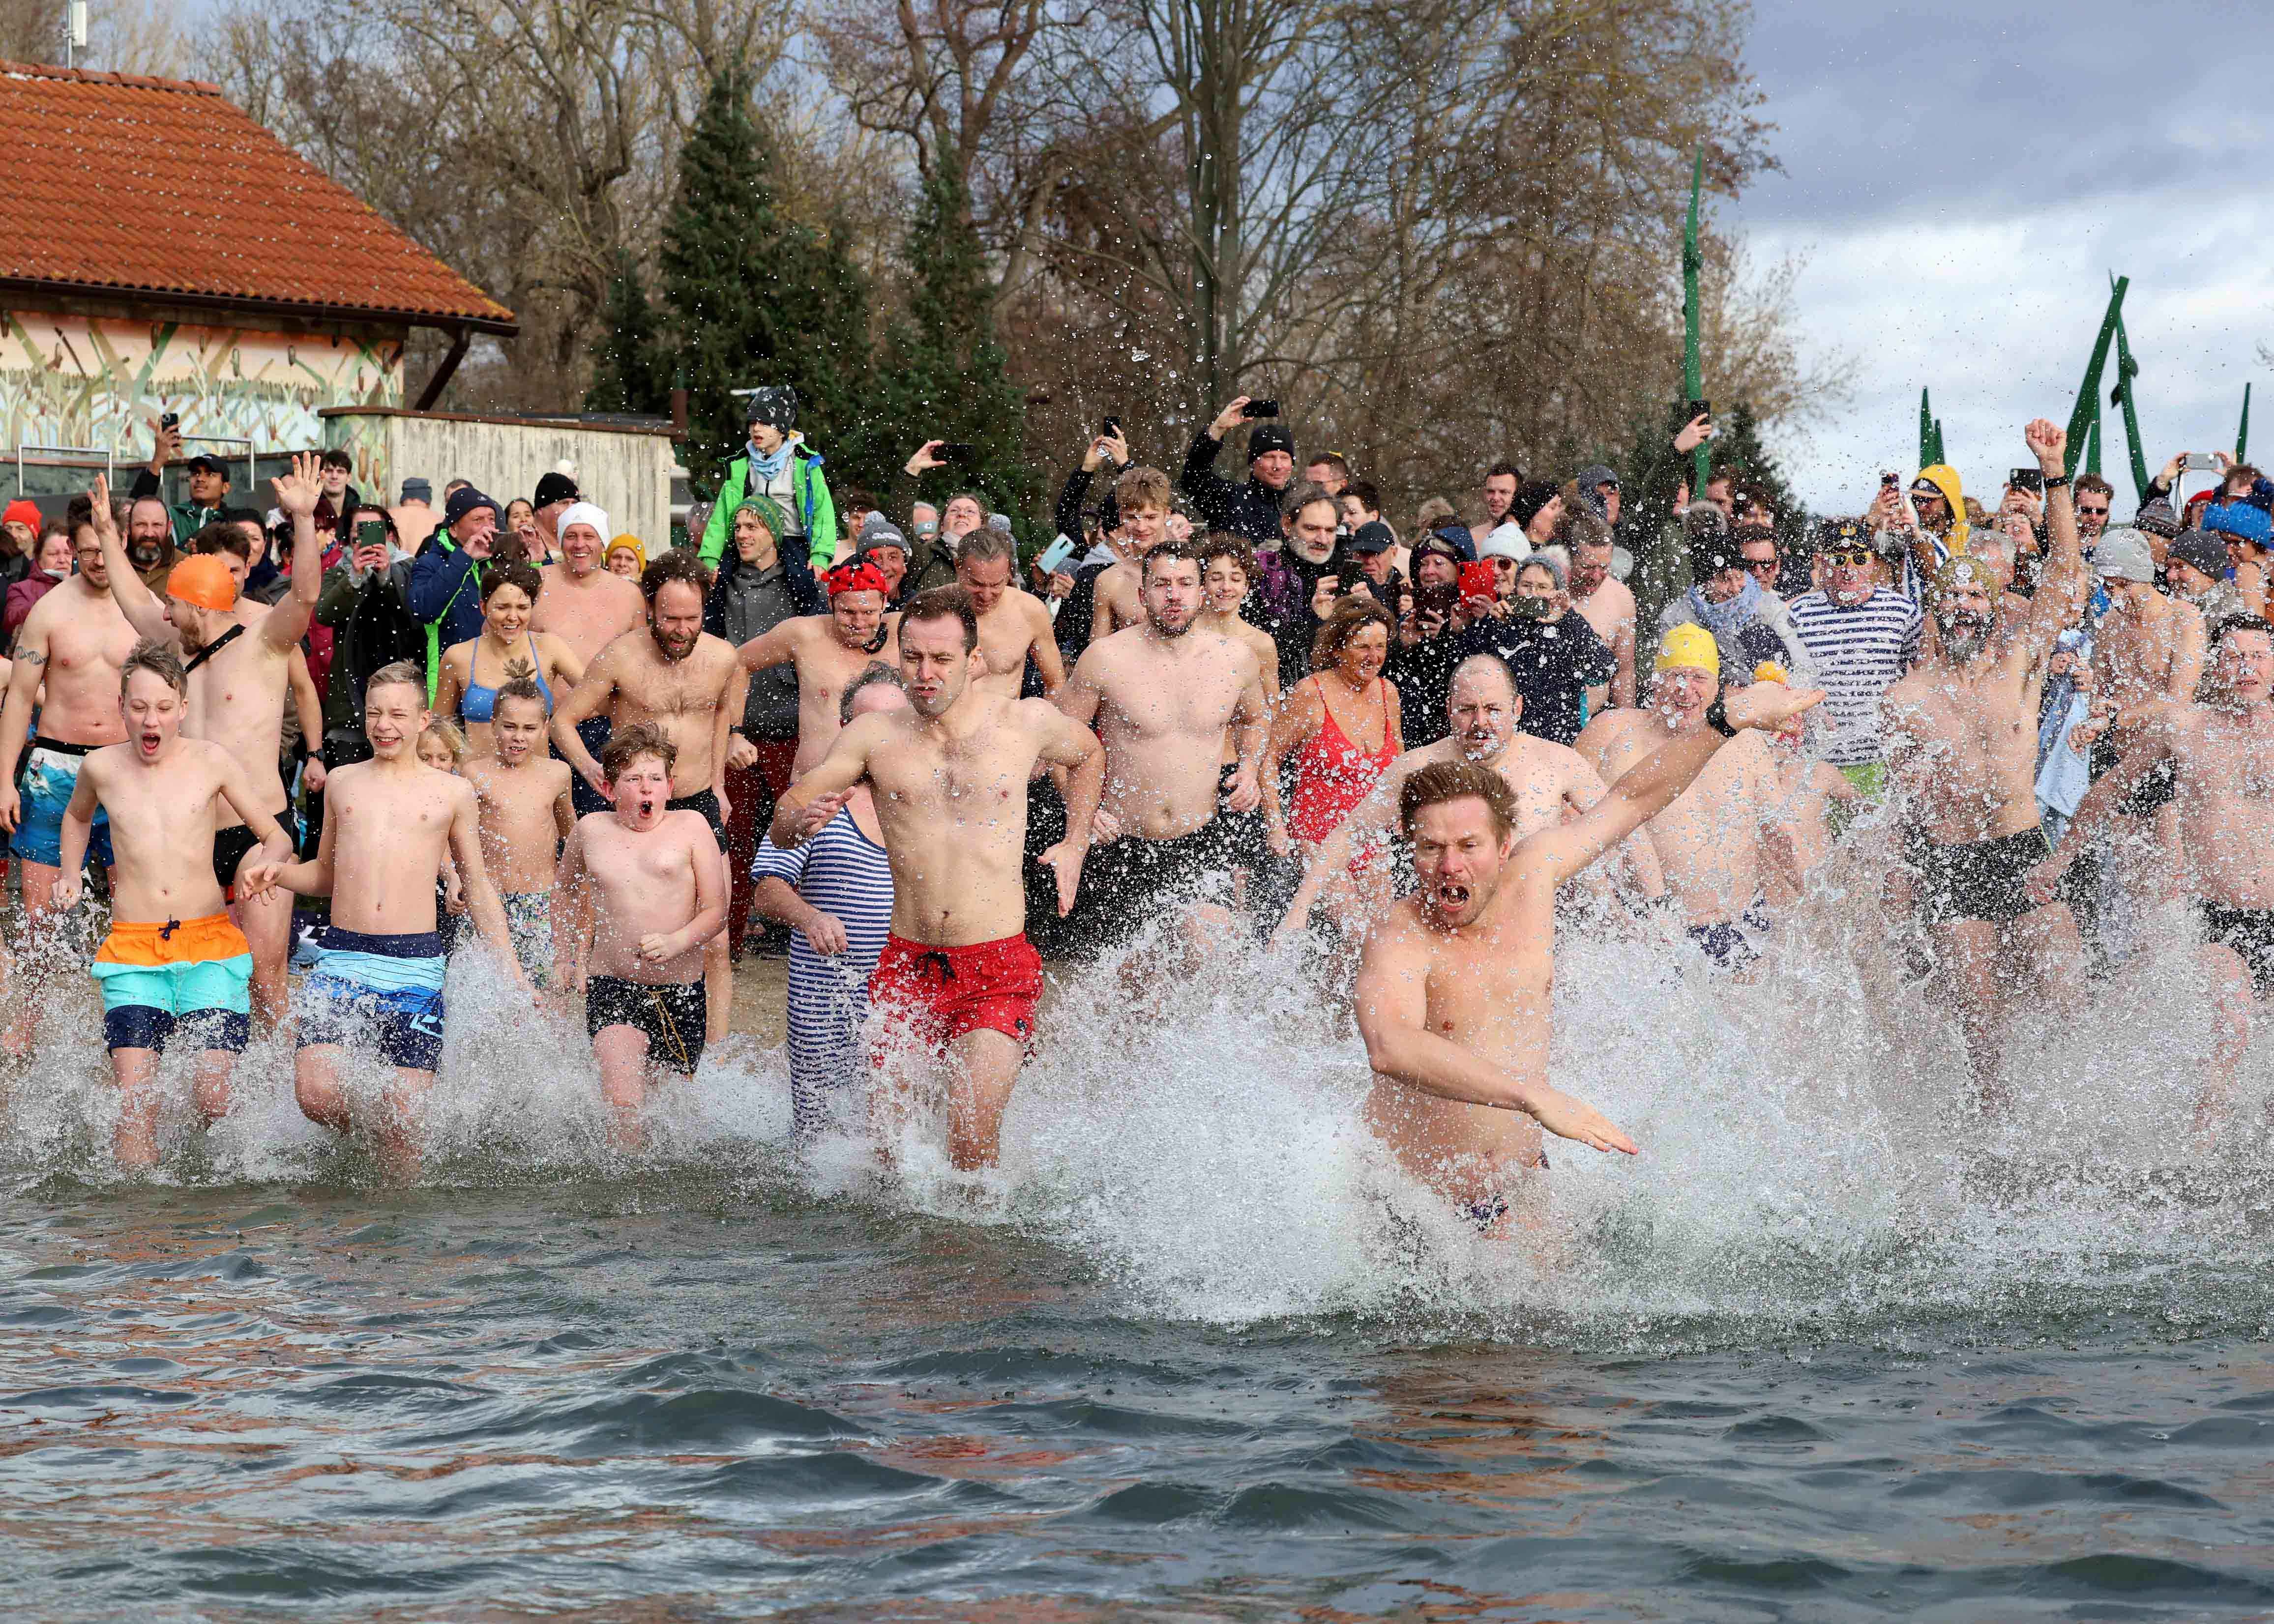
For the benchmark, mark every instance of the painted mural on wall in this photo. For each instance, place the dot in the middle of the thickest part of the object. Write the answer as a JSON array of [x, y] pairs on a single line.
[[79, 382]]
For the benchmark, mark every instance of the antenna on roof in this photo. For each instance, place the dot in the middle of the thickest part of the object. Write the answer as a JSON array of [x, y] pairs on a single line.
[[74, 32]]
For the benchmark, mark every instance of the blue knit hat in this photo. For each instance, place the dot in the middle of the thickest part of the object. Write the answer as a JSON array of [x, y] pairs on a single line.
[[2240, 519]]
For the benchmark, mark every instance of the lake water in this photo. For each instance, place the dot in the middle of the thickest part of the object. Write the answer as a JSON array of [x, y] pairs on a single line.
[[1828, 1350]]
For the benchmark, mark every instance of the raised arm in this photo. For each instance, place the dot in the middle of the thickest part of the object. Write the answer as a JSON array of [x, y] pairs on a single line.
[[2062, 585], [136, 601], [297, 493], [776, 646], [822, 790], [1646, 789]]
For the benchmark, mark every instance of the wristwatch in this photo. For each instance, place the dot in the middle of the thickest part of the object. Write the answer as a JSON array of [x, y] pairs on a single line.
[[1717, 718], [2054, 482]]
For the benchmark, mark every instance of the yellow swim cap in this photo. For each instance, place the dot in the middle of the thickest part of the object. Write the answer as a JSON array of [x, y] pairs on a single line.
[[1689, 644]]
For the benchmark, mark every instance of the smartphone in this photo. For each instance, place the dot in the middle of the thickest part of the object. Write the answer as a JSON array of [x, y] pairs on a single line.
[[1436, 599], [1054, 556], [2200, 463], [170, 420], [2032, 480], [956, 451], [1696, 410], [371, 533], [1112, 428], [1478, 581], [1889, 480], [1260, 408]]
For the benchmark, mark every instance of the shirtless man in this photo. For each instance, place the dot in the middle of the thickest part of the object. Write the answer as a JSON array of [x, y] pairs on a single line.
[[1808, 789], [173, 961], [1961, 731], [238, 653], [1549, 781], [1011, 621], [1604, 603], [1143, 497], [1166, 699], [1710, 839], [2147, 651], [524, 810], [586, 606], [2220, 757], [1455, 989], [829, 650], [956, 986], [1227, 573], [646, 893], [688, 683], [388, 823], [74, 640]]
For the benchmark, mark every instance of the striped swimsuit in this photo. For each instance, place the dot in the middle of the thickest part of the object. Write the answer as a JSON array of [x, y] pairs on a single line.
[[844, 873]]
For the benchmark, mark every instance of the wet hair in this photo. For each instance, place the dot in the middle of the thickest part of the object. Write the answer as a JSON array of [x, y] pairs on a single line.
[[1223, 543], [874, 674], [1439, 782], [1298, 497], [448, 735], [1139, 486], [523, 688], [944, 603], [2234, 623], [405, 672], [223, 535], [161, 660], [988, 543], [678, 564], [515, 574], [639, 739], [1191, 550], [1351, 616], [2093, 483]]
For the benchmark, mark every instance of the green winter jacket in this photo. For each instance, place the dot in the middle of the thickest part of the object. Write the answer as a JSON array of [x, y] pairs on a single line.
[[810, 503]]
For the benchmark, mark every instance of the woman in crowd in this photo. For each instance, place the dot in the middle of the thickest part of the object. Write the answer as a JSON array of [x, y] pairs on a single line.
[[473, 671], [1340, 727], [1554, 654]]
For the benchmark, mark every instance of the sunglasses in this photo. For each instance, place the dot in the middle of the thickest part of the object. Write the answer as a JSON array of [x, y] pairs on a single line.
[[1758, 565], [1849, 558], [2097, 513]]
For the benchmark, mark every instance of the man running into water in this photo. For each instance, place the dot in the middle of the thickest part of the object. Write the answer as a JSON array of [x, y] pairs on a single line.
[[522, 800], [1710, 839], [173, 965], [829, 650], [1013, 623], [74, 640], [1549, 782], [645, 892], [687, 682], [378, 980], [1166, 699], [238, 654], [956, 986], [1961, 732], [1454, 991], [2220, 757], [588, 608]]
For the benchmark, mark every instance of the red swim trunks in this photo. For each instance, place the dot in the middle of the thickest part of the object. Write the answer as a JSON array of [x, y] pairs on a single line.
[[935, 995]]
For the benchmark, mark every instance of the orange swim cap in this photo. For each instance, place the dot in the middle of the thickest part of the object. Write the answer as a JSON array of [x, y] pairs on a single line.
[[204, 580]]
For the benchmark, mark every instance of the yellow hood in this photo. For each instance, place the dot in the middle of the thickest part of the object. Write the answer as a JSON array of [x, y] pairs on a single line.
[[1944, 478]]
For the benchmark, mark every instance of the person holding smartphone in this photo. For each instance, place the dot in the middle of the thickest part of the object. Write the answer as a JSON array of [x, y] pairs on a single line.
[[1252, 507]]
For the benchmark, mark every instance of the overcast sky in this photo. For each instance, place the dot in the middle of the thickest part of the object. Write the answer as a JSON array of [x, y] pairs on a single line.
[[1961, 178]]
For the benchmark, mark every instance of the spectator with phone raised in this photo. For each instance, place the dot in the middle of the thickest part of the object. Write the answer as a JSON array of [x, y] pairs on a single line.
[[1252, 507]]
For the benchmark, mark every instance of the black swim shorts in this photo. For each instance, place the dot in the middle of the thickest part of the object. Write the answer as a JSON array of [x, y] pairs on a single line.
[[672, 1013], [231, 844], [2248, 931], [1981, 879]]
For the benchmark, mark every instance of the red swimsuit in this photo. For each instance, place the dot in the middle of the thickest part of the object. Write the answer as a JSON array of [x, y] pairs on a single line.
[[1332, 775]]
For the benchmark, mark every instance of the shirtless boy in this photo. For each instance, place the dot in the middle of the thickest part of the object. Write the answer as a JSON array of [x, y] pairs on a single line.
[[524, 809], [1549, 782], [1143, 497], [956, 986], [1710, 839], [645, 891], [238, 653], [829, 650], [588, 608], [2220, 757], [1962, 730], [173, 962], [387, 822], [1454, 991], [687, 682], [1167, 699], [74, 640], [1012, 622]]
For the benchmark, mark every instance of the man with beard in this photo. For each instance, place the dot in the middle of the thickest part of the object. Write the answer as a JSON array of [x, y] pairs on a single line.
[[150, 547], [1253, 507], [1603, 603], [208, 480], [1549, 781], [689, 685], [1296, 587], [1862, 638], [1013, 623], [2220, 757], [956, 986], [1454, 991], [829, 651], [583, 603], [1162, 697], [1962, 734], [238, 659]]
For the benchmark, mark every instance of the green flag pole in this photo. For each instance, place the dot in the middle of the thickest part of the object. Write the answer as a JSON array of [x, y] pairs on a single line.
[[2126, 370], [1693, 376], [2092, 441], [1927, 459], [2087, 410], [2242, 432], [1939, 454]]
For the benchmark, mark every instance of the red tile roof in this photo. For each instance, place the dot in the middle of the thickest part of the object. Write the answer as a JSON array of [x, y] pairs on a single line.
[[109, 182]]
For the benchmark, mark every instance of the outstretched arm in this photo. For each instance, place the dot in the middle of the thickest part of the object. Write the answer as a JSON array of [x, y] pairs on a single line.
[[297, 493], [2152, 743], [275, 846], [2061, 586], [820, 794], [1374, 816], [313, 878]]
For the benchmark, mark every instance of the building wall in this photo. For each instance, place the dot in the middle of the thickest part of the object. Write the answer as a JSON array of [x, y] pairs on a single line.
[[627, 472], [97, 382]]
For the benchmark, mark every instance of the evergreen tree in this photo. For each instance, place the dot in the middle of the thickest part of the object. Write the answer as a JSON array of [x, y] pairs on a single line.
[[750, 297], [945, 377], [630, 367]]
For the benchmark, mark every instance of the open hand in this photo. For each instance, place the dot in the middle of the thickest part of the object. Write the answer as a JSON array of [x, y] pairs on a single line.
[[1064, 861], [298, 490], [1571, 1119], [1768, 706]]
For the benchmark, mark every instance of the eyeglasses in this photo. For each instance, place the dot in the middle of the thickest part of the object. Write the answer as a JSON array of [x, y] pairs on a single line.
[[1504, 563], [1849, 558]]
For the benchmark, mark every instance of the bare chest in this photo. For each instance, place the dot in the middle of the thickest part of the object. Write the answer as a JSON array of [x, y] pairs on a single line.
[[89, 647], [972, 785], [664, 690]]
